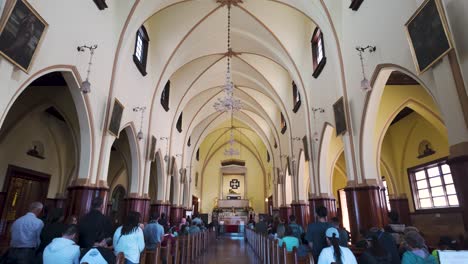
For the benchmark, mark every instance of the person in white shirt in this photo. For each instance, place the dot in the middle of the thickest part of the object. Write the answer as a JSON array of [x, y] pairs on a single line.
[[334, 253], [63, 249], [129, 239]]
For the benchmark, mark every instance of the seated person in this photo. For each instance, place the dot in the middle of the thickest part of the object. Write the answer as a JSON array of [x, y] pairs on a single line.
[[98, 253], [445, 243], [288, 239], [63, 248], [375, 252], [416, 250], [304, 249], [334, 253]]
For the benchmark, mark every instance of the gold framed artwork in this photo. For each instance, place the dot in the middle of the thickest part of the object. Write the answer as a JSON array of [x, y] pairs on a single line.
[[340, 117], [428, 35], [21, 34], [116, 118]]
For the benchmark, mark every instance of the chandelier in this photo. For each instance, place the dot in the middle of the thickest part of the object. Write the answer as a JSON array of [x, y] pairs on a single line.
[[228, 103], [231, 151]]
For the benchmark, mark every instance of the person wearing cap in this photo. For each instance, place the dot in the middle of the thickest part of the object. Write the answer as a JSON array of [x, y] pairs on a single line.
[[335, 253], [417, 251]]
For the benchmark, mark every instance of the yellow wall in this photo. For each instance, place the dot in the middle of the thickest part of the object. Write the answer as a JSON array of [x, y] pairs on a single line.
[[400, 149], [340, 179]]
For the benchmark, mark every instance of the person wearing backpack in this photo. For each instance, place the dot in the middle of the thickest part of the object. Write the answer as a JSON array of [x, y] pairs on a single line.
[[296, 229]]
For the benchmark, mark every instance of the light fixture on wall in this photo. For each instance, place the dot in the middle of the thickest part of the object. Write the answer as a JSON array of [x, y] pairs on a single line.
[[316, 135], [365, 84], [142, 112], [86, 85], [166, 157], [228, 103]]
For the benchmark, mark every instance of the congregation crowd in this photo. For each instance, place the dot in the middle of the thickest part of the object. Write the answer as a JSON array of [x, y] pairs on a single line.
[[326, 242], [38, 238]]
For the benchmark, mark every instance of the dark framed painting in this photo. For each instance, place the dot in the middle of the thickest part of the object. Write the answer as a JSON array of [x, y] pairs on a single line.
[[355, 4], [340, 117], [428, 35], [152, 149], [116, 118], [21, 34], [305, 143]]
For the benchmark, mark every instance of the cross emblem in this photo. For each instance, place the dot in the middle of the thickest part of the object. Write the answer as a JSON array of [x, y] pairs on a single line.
[[234, 183]]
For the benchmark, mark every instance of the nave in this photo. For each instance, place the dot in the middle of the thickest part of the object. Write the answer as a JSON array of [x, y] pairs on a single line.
[[229, 250]]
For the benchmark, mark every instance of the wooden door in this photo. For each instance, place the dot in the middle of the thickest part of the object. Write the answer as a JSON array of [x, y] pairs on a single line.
[[22, 187]]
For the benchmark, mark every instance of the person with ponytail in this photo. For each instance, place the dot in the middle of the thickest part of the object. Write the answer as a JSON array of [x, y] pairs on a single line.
[[335, 253], [129, 239]]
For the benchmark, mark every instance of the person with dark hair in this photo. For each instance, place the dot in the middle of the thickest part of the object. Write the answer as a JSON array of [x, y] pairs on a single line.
[[334, 253], [297, 230], [53, 228], [63, 249], [93, 222], [395, 228], [98, 253], [304, 248], [344, 235], [261, 227], [445, 243], [194, 228], [417, 250], [289, 239], [375, 252], [153, 232], [316, 232], [129, 239], [163, 220], [197, 219], [25, 236]]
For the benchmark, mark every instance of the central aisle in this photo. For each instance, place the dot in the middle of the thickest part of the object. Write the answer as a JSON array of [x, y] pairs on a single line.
[[228, 250]]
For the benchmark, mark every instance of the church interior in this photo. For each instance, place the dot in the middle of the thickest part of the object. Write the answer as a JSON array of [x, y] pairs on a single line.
[[236, 110]]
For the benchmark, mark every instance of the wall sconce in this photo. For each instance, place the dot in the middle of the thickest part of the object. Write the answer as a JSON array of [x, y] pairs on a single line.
[[365, 84], [86, 85], [266, 200], [319, 110], [142, 111], [166, 157], [199, 200]]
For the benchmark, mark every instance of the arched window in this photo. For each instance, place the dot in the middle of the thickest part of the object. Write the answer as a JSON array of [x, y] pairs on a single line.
[[179, 123], [141, 50], [318, 52], [283, 124], [165, 96], [296, 97]]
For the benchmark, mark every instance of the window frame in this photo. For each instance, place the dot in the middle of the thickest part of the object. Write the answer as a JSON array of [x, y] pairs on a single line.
[[141, 64], [386, 193], [284, 126], [165, 96], [179, 123], [317, 37], [296, 98], [414, 190]]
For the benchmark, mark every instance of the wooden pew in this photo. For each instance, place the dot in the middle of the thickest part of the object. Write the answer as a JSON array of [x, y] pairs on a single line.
[[309, 259], [152, 256], [288, 256]]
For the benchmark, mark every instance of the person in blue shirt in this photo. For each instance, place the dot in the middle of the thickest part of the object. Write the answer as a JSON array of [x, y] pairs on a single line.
[[417, 252], [316, 232], [297, 230], [289, 240], [129, 239], [153, 232], [63, 249], [25, 236]]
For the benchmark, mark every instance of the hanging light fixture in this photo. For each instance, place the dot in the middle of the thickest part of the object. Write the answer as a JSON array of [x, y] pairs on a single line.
[[231, 151], [142, 111], [228, 103], [365, 84], [86, 85]]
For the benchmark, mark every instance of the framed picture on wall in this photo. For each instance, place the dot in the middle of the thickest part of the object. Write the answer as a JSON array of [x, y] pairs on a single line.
[[21, 34], [340, 117], [116, 118], [152, 149], [305, 143], [355, 4], [428, 35]]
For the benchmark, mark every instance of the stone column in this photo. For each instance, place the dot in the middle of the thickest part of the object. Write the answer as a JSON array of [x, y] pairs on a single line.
[[138, 204], [458, 162], [301, 210], [284, 212], [177, 212], [364, 208], [401, 206], [328, 202], [80, 197]]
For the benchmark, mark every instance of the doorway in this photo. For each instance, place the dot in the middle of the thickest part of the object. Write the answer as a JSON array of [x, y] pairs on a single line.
[[22, 187]]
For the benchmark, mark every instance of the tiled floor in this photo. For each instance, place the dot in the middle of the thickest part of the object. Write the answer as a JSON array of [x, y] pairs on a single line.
[[227, 250]]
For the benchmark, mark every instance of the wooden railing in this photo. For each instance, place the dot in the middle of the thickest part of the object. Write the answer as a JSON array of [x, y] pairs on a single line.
[[187, 249], [269, 252]]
